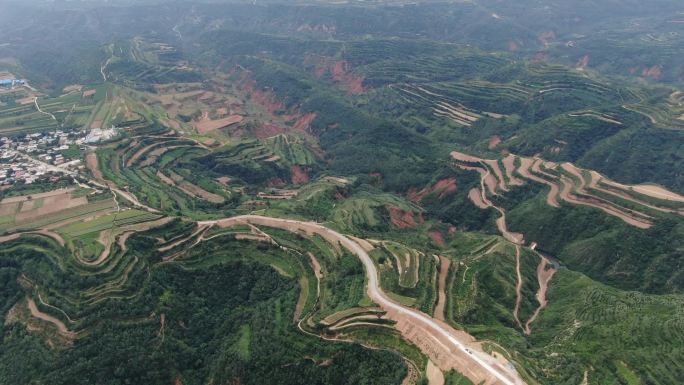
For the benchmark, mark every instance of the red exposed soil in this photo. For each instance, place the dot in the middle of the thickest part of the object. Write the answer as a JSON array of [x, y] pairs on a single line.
[[304, 123], [276, 182], [443, 188], [654, 72], [475, 196], [403, 219], [319, 72], [437, 237], [300, 175], [268, 130], [513, 46], [355, 85], [263, 97], [340, 72], [541, 57], [494, 141], [93, 166], [547, 37], [583, 62], [206, 125], [178, 381], [268, 100]]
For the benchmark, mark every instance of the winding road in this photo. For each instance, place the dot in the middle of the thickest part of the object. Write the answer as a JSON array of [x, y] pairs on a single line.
[[448, 347], [35, 101]]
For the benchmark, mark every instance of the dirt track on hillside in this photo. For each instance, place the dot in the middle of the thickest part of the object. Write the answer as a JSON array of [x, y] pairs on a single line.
[[93, 165], [444, 264], [479, 199], [36, 313], [518, 287], [544, 276]]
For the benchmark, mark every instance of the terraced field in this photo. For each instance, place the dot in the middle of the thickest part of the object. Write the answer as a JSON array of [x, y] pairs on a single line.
[[513, 266], [53, 209], [567, 183]]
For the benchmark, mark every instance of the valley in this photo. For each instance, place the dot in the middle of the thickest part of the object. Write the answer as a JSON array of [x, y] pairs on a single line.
[[317, 192]]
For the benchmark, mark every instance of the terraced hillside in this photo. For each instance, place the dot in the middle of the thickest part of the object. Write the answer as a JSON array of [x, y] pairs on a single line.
[[364, 193], [567, 194]]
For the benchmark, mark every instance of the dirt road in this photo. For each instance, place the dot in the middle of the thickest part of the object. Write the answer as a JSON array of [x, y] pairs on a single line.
[[518, 287], [444, 264], [36, 313], [447, 347], [544, 274], [35, 101]]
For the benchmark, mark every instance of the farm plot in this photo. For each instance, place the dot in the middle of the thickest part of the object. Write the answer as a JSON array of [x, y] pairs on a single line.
[[106, 222], [407, 262], [46, 209]]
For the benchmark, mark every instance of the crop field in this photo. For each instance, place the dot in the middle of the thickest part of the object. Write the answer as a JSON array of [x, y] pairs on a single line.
[[102, 106], [116, 108], [291, 148], [194, 108], [15, 120], [122, 218], [515, 184], [143, 166], [140, 61], [50, 209]]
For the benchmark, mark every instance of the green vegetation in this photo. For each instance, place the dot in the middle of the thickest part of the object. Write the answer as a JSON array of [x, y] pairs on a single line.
[[344, 114], [170, 324]]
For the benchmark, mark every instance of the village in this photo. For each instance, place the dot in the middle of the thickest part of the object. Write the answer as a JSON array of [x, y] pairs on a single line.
[[31, 157]]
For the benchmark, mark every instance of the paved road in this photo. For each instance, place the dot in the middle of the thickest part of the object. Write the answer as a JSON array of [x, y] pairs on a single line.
[[440, 330]]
